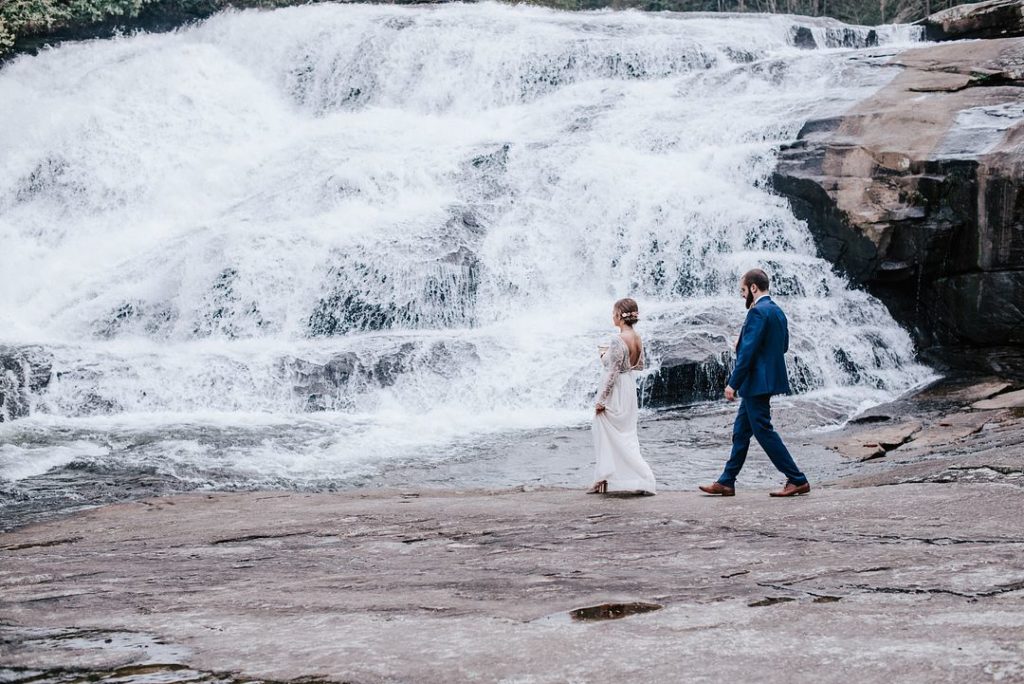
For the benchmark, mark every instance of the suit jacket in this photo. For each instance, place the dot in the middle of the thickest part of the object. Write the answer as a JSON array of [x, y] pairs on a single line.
[[760, 362]]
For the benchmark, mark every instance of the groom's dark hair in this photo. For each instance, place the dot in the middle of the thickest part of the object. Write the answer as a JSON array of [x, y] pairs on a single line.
[[756, 276]]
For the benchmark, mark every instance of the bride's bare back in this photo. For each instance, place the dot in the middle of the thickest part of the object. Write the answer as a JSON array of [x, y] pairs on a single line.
[[635, 346]]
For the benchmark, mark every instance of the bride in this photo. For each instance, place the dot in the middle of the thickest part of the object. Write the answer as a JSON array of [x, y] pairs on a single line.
[[620, 467]]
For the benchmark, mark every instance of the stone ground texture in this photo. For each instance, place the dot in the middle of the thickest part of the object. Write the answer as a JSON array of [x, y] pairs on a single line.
[[912, 582], [908, 567]]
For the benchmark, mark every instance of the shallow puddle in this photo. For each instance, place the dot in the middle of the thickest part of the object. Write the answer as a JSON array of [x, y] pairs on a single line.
[[612, 611]]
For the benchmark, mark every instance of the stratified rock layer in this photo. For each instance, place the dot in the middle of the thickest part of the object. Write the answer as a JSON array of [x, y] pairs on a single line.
[[918, 192], [992, 19]]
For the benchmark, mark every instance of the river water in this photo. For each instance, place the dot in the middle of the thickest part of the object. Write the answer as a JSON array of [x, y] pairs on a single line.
[[318, 246]]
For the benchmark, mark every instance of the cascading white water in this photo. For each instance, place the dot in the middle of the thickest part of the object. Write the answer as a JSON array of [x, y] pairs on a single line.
[[342, 232]]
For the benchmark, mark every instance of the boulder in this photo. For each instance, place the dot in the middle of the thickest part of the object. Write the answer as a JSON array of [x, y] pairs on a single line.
[[322, 384], [693, 367], [991, 19], [335, 383], [803, 37], [833, 37], [918, 193]]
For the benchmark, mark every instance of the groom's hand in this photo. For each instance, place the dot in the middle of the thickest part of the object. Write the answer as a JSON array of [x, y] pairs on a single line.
[[599, 408], [730, 393]]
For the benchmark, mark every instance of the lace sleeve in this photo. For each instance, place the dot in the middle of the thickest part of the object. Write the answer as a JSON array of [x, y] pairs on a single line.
[[612, 364]]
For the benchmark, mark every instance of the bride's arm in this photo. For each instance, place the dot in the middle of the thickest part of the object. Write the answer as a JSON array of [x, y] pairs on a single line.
[[613, 360]]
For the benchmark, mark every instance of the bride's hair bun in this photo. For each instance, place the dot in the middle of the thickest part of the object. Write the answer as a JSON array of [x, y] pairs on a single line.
[[628, 311]]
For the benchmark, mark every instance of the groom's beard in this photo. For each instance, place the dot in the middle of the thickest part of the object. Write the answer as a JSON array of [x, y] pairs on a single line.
[[750, 299]]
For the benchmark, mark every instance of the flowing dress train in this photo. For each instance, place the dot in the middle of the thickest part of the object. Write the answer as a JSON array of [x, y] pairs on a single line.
[[616, 442]]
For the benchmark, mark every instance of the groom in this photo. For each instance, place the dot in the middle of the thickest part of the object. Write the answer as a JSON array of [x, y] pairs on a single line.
[[760, 372]]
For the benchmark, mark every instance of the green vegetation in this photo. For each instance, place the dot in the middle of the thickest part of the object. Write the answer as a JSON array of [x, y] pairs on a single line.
[[868, 12], [25, 24], [20, 18]]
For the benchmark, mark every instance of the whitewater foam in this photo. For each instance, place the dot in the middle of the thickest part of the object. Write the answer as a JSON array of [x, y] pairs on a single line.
[[406, 226]]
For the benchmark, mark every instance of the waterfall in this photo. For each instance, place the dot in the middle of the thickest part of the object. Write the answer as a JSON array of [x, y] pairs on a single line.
[[338, 233]]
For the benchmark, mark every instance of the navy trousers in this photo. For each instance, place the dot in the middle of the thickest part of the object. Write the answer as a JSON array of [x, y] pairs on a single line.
[[754, 419]]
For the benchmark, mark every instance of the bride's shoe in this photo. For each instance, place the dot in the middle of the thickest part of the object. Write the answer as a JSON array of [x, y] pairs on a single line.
[[599, 488]]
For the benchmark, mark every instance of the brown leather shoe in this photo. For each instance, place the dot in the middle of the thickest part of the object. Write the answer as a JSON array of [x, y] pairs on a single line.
[[717, 488], [793, 489]]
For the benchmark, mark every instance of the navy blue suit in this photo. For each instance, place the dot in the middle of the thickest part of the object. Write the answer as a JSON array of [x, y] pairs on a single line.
[[760, 372]]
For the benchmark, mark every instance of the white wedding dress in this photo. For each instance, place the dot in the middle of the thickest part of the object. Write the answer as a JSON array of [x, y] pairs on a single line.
[[615, 430]]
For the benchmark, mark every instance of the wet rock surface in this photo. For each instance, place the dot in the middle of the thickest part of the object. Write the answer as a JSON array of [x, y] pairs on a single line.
[[916, 193], [24, 370], [909, 567], [684, 446], [693, 367], [455, 586], [845, 37], [1002, 401], [952, 431]]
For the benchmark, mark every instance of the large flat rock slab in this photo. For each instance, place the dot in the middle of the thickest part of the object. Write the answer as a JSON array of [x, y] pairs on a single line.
[[952, 423], [914, 582], [1003, 401]]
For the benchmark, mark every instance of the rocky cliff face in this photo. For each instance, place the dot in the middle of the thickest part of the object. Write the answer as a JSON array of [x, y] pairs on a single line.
[[918, 192], [991, 19]]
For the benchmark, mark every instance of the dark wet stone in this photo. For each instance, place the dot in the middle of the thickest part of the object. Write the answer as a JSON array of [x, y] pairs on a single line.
[[341, 313], [389, 367], [335, 384], [802, 37], [741, 56], [771, 601], [493, 160], [612, 611], [693, 368], [223, 311], [446, 298], [323, 385], [847, 37], [980, 307], [137, 317], [24, 371], [870, 418]]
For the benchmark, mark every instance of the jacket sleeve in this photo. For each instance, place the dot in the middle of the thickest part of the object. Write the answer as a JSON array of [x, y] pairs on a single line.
[[750, 341]]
